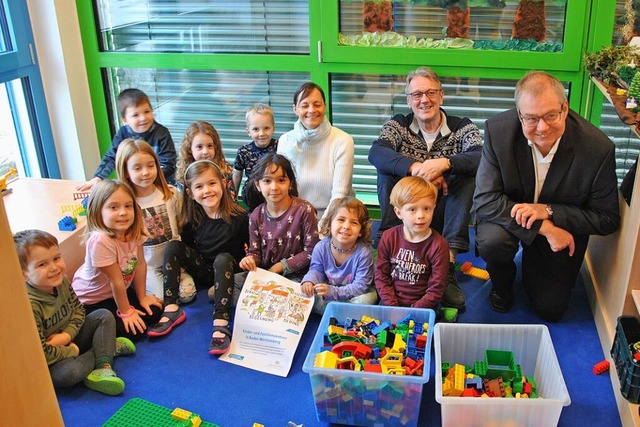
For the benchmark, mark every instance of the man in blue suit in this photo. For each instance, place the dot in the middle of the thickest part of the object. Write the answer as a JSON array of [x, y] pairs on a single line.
[[546, 181]]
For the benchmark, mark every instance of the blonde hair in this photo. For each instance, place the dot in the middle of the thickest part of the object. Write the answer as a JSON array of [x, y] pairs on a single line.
[[425, 72], [192, 211], [261, 109], [126, 150], [353, 205], [100, 193], [186, 156], [410, 189]]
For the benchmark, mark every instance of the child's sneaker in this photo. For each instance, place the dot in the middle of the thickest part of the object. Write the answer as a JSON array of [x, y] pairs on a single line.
[[124, 347], [187, 289], [104, 381]]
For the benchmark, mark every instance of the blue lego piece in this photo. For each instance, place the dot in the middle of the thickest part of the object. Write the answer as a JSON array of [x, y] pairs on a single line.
[[376, 329], [84, 202], [66, 224], [405, 320]]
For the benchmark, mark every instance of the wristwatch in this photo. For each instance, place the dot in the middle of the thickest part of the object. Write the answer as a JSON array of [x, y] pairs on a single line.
[[549, 211]]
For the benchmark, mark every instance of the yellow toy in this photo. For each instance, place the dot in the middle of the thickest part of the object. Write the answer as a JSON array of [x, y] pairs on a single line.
[[5, 177]]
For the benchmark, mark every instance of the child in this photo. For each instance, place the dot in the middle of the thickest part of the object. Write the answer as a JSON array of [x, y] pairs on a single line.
[[413, 259], [114, 260], [214, 238], [260, 127], [283, 230], [77, 348], [137, 115], [202, 142], [138, 165], [342, 263]]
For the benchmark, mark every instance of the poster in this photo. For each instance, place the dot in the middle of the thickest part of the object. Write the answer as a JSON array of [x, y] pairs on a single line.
[[270, 317]]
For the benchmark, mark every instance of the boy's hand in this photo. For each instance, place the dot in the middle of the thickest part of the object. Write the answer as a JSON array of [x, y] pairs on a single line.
[[75, 347], [146, 302], [248, 263], [58, 340], [89, 184], [307, 288]]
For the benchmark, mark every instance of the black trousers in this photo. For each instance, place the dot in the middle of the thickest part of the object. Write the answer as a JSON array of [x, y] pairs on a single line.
[[547, 277]]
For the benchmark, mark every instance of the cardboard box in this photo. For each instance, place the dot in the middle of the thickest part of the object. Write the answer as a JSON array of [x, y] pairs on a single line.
[[367, 398], [533, 351]]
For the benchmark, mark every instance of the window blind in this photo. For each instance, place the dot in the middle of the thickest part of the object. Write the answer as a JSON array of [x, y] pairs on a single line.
[[205, 26]]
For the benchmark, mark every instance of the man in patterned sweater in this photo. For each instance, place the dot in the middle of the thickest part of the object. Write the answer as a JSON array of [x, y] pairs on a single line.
[[439, 148]]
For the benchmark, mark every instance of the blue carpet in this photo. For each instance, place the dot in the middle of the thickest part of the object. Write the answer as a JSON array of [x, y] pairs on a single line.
[[176, 371]]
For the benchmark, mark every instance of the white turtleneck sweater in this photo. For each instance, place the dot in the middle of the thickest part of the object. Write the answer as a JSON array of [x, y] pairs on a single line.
[[323, 162]]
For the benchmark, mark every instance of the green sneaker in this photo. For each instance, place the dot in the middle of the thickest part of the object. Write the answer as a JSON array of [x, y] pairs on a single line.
[[104, 381], [124, 347]]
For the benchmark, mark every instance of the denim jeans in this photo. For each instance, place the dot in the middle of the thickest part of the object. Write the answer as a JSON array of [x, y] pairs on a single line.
[[96, 340], [452, 214]]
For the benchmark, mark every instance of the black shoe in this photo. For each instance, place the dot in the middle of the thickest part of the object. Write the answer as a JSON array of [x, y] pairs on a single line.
[[501, 303], [453, 295]]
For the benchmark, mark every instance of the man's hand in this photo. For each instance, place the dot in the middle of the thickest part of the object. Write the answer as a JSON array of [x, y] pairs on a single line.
[[526, 214], [558, 238], [430, 169], [441, 183]]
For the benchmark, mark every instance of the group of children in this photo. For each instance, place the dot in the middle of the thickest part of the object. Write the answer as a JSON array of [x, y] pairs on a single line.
[[150, 246]]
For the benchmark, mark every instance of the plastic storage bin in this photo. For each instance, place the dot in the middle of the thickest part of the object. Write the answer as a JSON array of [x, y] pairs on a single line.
[[367, 398], [627, 334], [533, 350]]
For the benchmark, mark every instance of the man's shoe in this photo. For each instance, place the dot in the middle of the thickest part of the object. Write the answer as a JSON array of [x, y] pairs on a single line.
[[501, 303], [453, 295]]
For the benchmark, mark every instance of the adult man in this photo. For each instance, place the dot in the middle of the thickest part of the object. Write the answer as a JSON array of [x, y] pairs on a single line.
[[439, 148], [546, 180]]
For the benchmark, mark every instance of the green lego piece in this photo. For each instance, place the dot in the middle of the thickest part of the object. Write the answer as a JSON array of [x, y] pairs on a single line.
[[449, 314], [138, 412], [445, 368], [480, 368], [500, 363], [517, 387]]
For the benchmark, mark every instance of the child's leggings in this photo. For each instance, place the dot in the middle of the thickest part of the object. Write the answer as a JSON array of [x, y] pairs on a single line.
[[96, 340], [178, 255]]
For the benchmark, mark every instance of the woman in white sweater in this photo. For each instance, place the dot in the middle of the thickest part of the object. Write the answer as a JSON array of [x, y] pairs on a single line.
[[321, 154]]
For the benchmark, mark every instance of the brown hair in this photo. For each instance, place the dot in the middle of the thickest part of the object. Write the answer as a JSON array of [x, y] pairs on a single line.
[[98, 197], [186, 156], [126, 150], [305, 90], [192, 211], [353, 205], [130, 98], [26, 239]]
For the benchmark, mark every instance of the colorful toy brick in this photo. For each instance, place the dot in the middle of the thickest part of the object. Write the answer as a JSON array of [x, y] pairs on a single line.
[[66, 224], [138, 412], [601, 367], [468, 269]]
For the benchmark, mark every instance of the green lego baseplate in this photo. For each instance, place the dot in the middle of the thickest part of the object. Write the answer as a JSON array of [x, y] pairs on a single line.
[[140, 413]]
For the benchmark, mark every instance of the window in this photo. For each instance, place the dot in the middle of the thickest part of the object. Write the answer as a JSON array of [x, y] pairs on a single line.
[[26, 142], [181, 97], [204, 26]]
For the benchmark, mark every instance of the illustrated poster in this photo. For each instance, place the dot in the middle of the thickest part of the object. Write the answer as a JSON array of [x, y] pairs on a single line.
[[270, 317]]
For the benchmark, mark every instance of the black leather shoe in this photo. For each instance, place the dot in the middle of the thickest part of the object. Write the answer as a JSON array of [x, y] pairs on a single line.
[[501, 303]]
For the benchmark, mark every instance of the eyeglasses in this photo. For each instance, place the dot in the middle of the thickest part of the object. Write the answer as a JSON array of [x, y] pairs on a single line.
[[550, 119], [431, 94]]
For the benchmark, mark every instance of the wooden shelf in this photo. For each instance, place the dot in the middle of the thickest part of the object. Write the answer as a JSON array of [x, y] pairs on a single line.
[[603, 88]]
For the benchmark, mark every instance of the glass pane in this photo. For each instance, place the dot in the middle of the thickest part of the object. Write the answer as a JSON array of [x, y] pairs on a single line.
[[362, 103], [627, 22], [204, 26], [17, 146], [181, 97], [5, 39], [487, 24]]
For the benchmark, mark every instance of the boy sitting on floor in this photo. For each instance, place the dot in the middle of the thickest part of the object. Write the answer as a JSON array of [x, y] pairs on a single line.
[[77, 348]]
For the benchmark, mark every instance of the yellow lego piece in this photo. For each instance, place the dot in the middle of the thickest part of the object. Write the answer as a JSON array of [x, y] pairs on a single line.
[[196, 421], [399, 345], [391, 361], [458, 380], [180, 414], [258, 425], [332, 329], [326, 359], [447, 385]]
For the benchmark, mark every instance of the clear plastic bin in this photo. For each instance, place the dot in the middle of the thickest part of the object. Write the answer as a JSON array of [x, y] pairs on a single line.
[[533, 350], [367, 398]]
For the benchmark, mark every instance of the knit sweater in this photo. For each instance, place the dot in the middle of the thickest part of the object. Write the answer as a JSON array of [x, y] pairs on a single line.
[[56, 313], [323, 162]]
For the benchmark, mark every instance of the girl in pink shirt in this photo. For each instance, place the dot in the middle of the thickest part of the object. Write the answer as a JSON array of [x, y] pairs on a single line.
[[114, 261]]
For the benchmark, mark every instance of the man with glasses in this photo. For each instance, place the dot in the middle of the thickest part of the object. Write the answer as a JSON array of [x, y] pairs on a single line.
[[546, 182], [439, 148]]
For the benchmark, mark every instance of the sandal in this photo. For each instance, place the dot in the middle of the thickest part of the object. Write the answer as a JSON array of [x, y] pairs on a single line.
[[163, 328], [220, 345]]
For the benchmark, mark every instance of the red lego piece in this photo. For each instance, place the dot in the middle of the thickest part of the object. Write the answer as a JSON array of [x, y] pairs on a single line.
[[601, 367], [470, 392]]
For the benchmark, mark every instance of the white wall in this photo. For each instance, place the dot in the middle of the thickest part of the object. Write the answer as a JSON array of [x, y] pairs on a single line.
[[59, 48]]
